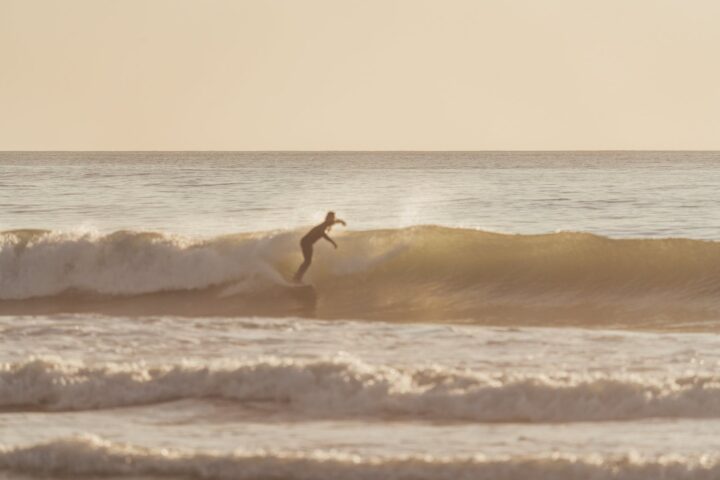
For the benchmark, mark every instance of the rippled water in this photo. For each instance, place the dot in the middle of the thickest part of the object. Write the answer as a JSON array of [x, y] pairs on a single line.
[[646, 194]]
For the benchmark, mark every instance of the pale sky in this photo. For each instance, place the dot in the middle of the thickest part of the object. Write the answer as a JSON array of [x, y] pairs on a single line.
[[359, 74]]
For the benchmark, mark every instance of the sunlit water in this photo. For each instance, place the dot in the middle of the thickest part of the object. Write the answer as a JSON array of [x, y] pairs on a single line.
[[287, 397], [616, 194]]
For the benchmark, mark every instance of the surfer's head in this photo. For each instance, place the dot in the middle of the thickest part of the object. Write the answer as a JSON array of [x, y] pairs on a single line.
[[330, 217]]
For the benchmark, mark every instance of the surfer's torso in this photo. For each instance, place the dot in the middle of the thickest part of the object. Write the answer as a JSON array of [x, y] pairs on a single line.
[[315, 234]]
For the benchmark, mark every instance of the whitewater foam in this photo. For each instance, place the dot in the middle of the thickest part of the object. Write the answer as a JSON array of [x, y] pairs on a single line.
[[92, 455], [41, 263], [344, 386]]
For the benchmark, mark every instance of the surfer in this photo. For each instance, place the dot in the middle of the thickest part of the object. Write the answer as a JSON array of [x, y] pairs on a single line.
[[315, 234]]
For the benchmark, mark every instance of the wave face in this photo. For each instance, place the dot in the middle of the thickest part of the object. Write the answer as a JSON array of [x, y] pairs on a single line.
[[418, 273], [346, 387], [91, 455]]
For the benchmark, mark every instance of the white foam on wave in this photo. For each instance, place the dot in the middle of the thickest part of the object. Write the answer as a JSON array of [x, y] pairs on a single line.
[[130, 263], [344, 386], [91, 455]]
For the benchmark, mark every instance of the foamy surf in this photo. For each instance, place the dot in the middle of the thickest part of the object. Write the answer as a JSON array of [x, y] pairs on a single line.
[[419, 273], [342, 387], [92, 455]]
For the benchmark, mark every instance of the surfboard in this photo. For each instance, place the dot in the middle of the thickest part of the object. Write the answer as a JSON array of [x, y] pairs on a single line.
[[300, 287], [279, 285]]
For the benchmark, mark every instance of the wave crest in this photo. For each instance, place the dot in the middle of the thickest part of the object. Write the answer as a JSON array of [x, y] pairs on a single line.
[[418, 273]]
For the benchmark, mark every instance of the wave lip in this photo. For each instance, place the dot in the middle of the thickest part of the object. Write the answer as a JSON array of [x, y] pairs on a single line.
[[423, 273], [91, 455], [347, 387]]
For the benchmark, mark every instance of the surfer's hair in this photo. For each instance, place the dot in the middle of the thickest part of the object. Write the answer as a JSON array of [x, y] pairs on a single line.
[[330, 216]]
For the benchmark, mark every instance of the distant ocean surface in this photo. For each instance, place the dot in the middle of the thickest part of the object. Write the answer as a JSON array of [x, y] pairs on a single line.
[[616, 194], [494, 315]]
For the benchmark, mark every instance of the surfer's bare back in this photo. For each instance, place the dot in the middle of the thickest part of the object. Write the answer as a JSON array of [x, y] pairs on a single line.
[[306, 243]]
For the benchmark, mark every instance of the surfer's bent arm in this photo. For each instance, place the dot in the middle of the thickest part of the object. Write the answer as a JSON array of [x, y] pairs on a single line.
[[325, 236], [341, 221]]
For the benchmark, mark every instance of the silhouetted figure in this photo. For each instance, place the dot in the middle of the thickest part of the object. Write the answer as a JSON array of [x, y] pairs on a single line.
[[306, 243]]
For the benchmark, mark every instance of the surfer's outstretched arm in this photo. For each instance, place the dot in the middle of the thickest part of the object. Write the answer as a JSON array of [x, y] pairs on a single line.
[[325, 236], [341, 221]]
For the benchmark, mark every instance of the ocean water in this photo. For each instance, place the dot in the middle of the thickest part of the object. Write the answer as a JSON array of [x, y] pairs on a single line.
[[496, 315]]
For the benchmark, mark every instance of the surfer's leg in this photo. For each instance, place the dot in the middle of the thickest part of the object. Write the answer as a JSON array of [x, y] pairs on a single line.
[[307, 251]]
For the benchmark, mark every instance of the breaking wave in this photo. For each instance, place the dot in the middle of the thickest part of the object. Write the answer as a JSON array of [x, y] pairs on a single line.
[[419, 273], [342, 387], [92, 455]]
